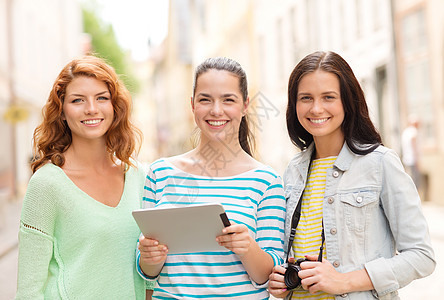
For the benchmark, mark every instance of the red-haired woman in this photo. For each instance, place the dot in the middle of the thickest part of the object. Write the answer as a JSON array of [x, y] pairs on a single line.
[[77, 235]]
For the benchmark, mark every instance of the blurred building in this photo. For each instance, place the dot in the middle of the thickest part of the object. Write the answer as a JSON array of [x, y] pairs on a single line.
[[170, 83], [268, 40], [145, 111], [360, 31], [386, 42], [197, 30], [37, 38], [419, 31]]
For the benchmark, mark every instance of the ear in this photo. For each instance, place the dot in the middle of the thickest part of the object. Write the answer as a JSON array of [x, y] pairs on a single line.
[[192, 104], [246, 104], [63, 116]]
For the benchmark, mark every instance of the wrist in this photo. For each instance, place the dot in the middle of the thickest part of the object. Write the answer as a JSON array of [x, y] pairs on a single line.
[[347, 283], [252, 248], [356, 281]]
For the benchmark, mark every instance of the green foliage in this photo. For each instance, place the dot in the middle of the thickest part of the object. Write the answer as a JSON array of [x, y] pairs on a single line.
[[105, 45]]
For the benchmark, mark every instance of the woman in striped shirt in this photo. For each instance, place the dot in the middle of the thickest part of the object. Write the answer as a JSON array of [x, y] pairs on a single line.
[[220, 169], [351, 191]]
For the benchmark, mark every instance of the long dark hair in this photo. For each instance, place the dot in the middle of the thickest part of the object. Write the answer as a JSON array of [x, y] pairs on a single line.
[[360, 134], [246, 139]]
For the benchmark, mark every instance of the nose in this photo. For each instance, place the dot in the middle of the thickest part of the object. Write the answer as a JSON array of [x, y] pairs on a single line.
[[317, 106], [216, 109], [91, 107]]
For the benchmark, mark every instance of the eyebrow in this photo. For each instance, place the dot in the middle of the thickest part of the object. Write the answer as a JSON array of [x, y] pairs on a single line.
[[98, 94], [324, 93], [228, 95]]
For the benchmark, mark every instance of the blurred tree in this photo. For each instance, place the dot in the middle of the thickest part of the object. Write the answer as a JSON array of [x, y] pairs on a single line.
[[105, 45]]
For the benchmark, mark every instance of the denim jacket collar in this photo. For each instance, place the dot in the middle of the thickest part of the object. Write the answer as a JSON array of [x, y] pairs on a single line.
[[345, 158], [343, 161]]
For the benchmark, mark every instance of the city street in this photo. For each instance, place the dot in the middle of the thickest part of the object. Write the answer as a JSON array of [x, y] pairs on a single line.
[[428, 288]]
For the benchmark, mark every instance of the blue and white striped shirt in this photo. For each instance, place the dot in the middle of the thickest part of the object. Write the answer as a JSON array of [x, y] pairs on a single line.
[[254, 198]]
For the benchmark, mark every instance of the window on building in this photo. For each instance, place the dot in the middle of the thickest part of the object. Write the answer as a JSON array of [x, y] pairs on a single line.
[[280, 48], [414, 38], [344, 24], [312, 23], [359, 13], [415, 57]]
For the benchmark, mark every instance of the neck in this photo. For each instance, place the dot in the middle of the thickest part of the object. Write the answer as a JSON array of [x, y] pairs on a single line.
[[219, 153], [326, 148], [87, 154]]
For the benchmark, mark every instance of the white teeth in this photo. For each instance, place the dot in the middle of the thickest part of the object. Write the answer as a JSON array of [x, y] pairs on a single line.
[[91, 122], [318, 121], [217, 123]]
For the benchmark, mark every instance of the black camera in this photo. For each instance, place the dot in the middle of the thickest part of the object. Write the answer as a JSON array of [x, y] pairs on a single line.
[[291, 277]]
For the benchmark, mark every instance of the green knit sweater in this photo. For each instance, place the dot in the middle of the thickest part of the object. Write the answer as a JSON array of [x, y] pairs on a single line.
[[74, 247]]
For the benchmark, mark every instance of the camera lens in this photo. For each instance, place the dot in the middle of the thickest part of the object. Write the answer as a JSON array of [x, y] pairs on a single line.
[[291, 277]]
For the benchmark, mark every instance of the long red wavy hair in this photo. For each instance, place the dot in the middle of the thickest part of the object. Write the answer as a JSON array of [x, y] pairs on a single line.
[[53, 136]]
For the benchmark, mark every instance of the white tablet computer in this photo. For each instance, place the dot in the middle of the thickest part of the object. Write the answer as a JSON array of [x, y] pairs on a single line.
[[186, 229]]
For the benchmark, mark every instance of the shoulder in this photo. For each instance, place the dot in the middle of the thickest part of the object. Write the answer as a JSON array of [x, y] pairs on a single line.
[[294, 164], [45, 186], [47, 174], [267, 176], [138, 166], [297, 159], [137, 173], [380, 158], [382, 154], [389, 157], [160, 165], [382, 150], [159, 169], [263, 170]]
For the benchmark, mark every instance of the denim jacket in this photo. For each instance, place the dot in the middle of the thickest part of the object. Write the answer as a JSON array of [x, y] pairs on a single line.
[[372, 219]]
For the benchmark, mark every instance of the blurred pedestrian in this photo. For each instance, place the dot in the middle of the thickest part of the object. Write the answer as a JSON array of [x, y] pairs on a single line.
[[354, 221], [410, 150], [220, 169], [77, 234]]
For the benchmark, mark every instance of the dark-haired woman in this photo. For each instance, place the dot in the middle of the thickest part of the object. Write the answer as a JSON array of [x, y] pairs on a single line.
[[221, 170], [77, 234], [353, 193]]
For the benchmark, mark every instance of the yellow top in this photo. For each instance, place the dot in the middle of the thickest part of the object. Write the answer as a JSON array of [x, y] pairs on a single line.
[[308, 238]]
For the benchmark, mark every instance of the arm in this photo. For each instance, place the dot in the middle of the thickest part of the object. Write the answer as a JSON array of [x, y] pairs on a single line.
[[36, 237], [322, 276], [259, 255], [256, 261], [150, 256], [402, 207], [276, 283]]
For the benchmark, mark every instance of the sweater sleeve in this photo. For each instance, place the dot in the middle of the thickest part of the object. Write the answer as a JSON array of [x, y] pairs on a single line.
[[36, 236]]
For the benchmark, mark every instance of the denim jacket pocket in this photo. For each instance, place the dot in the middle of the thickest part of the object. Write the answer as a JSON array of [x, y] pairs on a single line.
[[358, 208]]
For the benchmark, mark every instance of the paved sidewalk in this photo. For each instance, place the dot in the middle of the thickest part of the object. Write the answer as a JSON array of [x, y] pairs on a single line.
[[9, 225]]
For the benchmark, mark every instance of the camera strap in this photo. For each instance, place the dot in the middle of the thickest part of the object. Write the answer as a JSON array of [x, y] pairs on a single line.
[[297, 216], [294, 223]]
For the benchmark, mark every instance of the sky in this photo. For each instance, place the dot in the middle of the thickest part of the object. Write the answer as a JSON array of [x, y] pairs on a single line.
[[135, 22]]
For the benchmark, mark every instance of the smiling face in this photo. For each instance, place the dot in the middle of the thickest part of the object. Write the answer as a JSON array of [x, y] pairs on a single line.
[[218, 106], [319, 107], [87, 108]]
